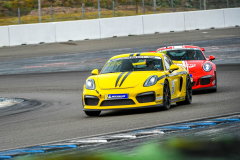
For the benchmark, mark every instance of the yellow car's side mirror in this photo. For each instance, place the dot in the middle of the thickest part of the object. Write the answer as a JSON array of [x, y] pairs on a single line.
[[94, 72], [174, 67]]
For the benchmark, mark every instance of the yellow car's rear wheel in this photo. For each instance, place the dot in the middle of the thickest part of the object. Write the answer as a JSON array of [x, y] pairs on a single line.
[[188, 97], [166, 96]]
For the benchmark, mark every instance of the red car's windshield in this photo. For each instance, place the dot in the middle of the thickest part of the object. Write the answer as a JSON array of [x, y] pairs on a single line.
[[185, 54]]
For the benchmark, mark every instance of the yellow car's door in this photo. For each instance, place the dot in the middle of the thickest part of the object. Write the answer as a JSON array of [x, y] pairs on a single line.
[[174, 79]]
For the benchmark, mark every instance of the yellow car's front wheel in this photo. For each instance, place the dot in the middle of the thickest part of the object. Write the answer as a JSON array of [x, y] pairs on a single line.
[[92, 113], [166, 96]]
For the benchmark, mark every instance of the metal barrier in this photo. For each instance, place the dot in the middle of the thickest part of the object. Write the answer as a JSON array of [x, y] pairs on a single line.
[[35, 11], [119, 26]]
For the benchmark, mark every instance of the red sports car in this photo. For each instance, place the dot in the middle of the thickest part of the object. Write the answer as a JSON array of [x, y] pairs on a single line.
[[203, 72]]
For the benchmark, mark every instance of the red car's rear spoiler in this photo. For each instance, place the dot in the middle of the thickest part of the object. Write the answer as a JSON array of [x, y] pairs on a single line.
[[202, 49]]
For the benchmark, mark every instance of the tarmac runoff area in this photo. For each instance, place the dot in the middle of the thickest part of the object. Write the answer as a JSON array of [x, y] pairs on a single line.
[[214, 128]]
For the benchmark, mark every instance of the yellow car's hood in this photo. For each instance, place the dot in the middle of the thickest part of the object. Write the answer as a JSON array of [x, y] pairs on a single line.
[[123, 79]]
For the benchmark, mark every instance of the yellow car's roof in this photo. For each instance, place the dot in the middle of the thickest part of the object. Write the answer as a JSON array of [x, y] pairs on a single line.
[[138, 54]]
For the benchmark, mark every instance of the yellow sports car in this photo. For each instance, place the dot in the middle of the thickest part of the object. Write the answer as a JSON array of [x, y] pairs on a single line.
[[136, 80]]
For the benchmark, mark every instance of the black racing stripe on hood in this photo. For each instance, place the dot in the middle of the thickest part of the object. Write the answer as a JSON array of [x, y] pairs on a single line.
[[159, 78], [119, 78], [131, 54], [124, 78], [138, 54]]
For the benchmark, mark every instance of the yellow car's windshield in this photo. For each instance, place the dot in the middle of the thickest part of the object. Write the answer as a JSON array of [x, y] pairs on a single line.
[[133, 63]]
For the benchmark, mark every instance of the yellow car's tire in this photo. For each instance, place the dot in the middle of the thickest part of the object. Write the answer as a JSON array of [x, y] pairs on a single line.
[[166, 96], [188, 97], [92, 113]]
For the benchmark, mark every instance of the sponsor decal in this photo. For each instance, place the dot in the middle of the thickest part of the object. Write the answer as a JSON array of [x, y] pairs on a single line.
[[117, 96], [159, 102], [159, 98], [179, 64], [133, 57], [176, 99], [177, 47], [191, 65], [173, 87]]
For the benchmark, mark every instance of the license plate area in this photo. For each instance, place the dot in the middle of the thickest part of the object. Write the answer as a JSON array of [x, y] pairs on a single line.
[[117, 96]]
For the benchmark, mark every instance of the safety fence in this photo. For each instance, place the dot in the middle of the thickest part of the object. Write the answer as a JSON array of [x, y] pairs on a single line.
[[14, 12]]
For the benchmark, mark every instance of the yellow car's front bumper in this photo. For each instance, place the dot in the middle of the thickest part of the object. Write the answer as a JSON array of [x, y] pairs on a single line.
[[138, 97]]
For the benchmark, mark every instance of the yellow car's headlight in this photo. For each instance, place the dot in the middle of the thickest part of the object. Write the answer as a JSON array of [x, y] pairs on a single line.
[[151, 81], [90, 84]]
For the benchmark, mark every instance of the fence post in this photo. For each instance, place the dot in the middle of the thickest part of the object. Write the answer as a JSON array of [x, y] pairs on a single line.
[[83, 10], [172, 5], [51, 14], [39, 11], [227, 4], [200, 4], [143, 7], [99, 11], [113, 9], [154, 3], [136, 6], [204, 4], [19, 16]]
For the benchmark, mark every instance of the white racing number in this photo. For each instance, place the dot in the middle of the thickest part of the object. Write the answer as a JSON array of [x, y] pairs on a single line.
[[173, 87]]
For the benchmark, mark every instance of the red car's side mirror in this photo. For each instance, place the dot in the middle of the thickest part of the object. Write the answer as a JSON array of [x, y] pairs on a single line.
[[211, 58], [202, 49]]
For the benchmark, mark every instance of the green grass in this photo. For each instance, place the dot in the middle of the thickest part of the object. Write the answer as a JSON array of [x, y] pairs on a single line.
[[171, 149], [28, 19], [66, 17]]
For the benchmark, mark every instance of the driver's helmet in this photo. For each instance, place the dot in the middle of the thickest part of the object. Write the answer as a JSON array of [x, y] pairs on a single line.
[[194, 53], [191, 54], [148, 63]]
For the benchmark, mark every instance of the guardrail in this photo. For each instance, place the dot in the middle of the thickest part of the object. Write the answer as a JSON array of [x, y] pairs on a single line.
[[121, 26]]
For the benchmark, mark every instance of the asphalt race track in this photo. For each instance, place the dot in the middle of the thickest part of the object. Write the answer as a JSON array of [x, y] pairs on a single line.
[[55, 112]]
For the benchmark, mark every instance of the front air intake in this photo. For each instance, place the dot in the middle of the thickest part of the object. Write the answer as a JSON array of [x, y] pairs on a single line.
[[205, 81], [91, 100], [117, 102], [146, 97]]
